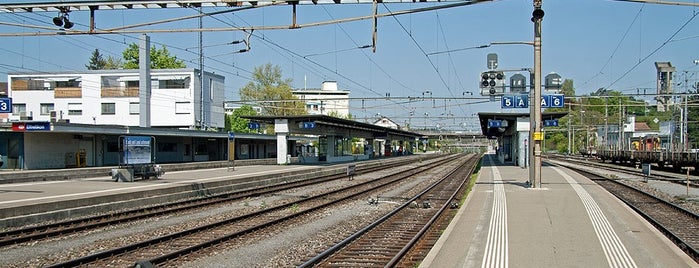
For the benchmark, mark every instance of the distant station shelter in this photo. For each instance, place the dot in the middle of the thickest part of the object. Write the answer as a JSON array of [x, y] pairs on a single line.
[[331, 139], [511, 130]]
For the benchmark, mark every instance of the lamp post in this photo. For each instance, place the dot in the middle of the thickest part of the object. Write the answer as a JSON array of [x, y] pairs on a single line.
[[535, 135]]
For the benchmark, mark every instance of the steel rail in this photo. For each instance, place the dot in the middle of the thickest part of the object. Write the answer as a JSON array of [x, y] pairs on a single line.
[[337, 247], [178, 253], [72, 226]]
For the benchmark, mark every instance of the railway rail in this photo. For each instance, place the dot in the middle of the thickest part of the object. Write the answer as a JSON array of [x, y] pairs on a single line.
[[403, 237], [172, 247], [68, 227], [678, 224], [658, 175]]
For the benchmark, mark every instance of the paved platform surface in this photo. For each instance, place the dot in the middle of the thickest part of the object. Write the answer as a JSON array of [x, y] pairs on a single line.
[[569, 222], [18, 194], [32, 202]]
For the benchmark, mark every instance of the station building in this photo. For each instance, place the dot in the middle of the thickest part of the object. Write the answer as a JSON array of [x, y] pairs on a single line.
[[76, 119]]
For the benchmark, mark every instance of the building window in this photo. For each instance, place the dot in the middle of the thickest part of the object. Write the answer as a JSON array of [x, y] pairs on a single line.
[[183, 107], [134, 107], [108, 108], [211, 89], [19, 109], [46, 108], [112, 147], [132, 84], [174, 83], [75, 109], [170, 147]]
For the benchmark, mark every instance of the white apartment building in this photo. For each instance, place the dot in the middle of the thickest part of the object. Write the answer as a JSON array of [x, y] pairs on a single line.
[[111, 97], [326, 100]]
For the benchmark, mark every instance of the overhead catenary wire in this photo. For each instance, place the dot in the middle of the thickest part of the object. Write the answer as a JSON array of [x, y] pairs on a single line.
[[618, 45], [654, 51]]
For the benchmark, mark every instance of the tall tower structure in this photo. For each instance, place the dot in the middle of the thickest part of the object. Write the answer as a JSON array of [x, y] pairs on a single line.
[[664, 82]]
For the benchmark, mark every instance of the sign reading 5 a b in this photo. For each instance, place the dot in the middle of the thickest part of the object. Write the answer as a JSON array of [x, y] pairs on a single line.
[[6, 105]]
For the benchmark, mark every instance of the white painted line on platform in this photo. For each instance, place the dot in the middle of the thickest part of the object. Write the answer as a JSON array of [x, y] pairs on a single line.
[[614, 249], [138, 187], [30, 183], [496, 254]]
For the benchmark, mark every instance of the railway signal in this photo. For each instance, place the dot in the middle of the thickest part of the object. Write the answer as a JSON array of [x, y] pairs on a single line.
[[492, 83]]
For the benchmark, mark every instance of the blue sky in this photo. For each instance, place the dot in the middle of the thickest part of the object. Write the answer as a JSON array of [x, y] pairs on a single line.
[[596, 43]]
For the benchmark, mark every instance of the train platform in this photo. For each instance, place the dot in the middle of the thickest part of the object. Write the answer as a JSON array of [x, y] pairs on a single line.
[[36, 201], [569, 222]]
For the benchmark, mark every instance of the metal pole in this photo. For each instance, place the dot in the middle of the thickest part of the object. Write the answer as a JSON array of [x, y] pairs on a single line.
[[535, 136], [606, 125], [570, 126]]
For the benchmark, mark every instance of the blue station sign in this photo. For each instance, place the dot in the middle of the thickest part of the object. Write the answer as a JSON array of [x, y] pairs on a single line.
[[551, 123], [5, 105], [308, 125], [522, 101]]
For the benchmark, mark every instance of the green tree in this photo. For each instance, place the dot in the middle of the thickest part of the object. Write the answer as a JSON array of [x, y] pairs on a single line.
[[567, 88], [272, 92], [112, 63], [235, 123], [338, 115], [159, 58], [97, 62]]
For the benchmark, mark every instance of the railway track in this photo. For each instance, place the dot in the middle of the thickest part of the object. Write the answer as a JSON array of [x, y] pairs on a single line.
[[661, 176], [403, 237], [678, 224], [68, 227], [172, 247]]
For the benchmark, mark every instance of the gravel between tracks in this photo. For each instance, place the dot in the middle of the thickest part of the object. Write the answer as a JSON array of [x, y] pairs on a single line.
[[277, 249], [289, 247]]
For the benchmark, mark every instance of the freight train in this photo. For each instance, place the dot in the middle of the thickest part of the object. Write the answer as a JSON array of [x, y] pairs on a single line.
[[652, 149]]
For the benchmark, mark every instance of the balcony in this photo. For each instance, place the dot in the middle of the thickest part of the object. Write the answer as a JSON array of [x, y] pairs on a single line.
[[68, 92], [110, 92]]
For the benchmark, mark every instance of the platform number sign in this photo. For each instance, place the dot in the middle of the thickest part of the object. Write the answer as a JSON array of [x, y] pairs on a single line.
[[308, 125], [552, 101], [254, 125], [551, 123], [5, 105], [515, 101], [522, 101]]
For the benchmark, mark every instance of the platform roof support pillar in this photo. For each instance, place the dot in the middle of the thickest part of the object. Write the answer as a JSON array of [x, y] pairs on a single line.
[[281, 127]]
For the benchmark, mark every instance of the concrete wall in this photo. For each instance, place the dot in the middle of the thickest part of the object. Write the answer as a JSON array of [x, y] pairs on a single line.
[[45, 151]]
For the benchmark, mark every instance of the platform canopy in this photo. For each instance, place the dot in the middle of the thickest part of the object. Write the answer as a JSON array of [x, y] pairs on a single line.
[[328, 125], [511, 119]]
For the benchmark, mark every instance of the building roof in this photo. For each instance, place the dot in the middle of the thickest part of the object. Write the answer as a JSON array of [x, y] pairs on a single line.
[[642, 126], [329, 125], [117, 71]]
